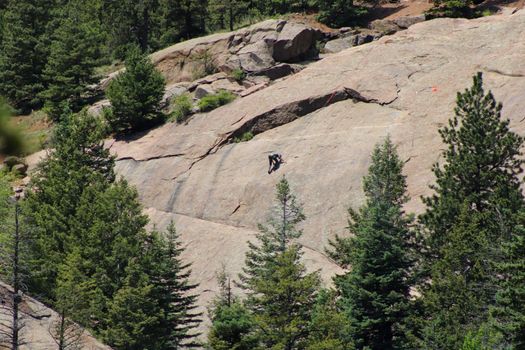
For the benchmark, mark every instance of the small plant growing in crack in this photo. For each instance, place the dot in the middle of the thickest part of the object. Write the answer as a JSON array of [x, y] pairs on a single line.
[[247, 136]]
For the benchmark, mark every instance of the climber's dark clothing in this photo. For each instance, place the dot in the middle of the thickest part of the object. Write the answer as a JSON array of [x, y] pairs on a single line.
[[275, 160]]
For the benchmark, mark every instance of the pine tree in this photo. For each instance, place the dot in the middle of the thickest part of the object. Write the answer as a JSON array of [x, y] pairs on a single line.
[[133, 313], [375, 294], [14, 254], [225, 14], [280, 294], [339, 13], [23, 52], [170, 276], [509, 312], [470, 217], [274, 237], [69, 297], [329, 327], [135, 95], [74, 54], [182, 19], [78, 160], [130, 23], [232, 324]]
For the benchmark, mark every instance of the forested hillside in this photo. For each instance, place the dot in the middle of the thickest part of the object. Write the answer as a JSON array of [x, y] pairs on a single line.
[[284, 186]]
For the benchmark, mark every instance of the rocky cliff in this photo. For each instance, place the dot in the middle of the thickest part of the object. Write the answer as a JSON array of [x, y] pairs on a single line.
[[325, 121]]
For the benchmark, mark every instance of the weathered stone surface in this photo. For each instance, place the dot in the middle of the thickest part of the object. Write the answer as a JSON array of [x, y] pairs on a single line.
[[280, 70], [325, 121], [203, 90], [348, 41], [174, 90], [390, 26], [228, 85], [407, 21], [38, 321], [294, 42], [253, 89], [97, 108], [253, 49]]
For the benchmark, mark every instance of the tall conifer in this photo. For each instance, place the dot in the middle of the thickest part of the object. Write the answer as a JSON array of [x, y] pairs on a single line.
[[470, 217], [375, 294]]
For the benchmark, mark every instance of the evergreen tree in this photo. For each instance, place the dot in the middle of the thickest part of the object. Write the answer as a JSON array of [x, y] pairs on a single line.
[[170, 277], [470, 216], [232, 324], [23, 52], [135, 95], [339, 13], [78, 160], [225, 14], [133, 313], [274, 237], [182, 19], [375, 294], [69, 297], [130, 23], [509, 312], [280, 292], [74, 54], [14, 254], [329, 328]]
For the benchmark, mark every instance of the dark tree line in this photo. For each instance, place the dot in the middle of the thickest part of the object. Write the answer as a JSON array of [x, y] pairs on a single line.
[[50, 49]]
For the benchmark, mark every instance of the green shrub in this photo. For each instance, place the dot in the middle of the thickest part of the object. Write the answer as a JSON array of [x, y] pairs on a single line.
[[238, 74], [210, 102], [247, 136], [181, 109]]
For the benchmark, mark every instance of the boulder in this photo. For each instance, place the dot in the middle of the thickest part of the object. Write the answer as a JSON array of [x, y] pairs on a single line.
[[294, 42], [203, 90], [174, 90], [280, 70], [254, 57], [390, 26], [349, 41], [340, 44], [228, 85], [407, 21], [97, 108]]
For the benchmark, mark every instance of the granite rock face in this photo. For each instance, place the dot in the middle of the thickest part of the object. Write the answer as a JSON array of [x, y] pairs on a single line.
[[325, 121]]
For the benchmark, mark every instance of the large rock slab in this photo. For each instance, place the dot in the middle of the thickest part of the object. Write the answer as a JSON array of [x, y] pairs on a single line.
[[38, 321], [325, 121]]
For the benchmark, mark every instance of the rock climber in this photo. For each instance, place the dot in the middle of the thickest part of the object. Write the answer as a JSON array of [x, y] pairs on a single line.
[[275, 160]]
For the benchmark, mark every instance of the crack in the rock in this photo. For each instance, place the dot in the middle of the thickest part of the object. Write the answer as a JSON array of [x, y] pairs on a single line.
[[276, 117], [499, 72], [235, 210], [150, 158], [287, 113]]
